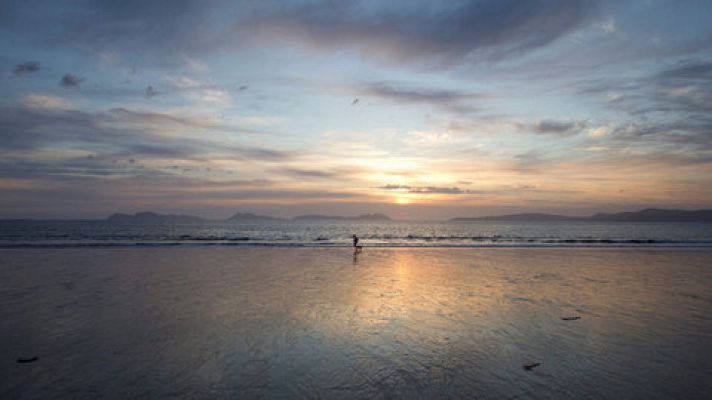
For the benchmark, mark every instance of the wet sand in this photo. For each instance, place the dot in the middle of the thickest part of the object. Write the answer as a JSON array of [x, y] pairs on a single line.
[[210, 322]]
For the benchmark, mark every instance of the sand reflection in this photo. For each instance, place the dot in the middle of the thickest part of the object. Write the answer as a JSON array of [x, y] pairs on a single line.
[[425, 323]]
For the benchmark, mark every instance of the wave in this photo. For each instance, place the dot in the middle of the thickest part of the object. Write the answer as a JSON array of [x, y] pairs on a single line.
[[340, 235]]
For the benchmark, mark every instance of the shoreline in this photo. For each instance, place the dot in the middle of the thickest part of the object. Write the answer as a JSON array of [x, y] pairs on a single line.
[[634, 245]]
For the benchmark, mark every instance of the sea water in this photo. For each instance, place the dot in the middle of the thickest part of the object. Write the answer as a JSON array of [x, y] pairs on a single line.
[[371, 234]]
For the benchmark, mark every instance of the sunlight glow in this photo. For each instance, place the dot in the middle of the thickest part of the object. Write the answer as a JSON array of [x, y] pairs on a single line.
[[402, 199]]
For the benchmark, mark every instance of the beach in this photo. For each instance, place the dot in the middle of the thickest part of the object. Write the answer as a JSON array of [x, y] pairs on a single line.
[[253, 322]]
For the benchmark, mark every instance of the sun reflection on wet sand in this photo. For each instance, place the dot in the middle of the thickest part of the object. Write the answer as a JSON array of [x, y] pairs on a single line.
[[405, 323]]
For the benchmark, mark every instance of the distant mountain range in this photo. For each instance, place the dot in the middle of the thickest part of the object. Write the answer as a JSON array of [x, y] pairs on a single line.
[[155, 218], [522, 217], [647, 215]]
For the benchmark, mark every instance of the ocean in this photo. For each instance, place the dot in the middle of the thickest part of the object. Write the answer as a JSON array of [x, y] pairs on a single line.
[[25, 233]]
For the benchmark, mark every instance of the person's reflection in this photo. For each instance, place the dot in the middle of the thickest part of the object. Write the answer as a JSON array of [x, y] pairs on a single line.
[[357, 251]]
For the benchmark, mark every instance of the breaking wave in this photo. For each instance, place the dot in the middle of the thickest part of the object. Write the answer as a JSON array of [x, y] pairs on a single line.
[[391, 234]]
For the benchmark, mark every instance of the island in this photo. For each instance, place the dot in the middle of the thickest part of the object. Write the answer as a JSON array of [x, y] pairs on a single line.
[[646, 215], [522, 217]]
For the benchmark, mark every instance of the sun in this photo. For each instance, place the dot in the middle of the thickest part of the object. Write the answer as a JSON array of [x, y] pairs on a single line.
[[402, 200]]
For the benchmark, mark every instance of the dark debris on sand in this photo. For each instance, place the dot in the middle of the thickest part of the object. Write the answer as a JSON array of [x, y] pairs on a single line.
[[531, 366], [570, 318]]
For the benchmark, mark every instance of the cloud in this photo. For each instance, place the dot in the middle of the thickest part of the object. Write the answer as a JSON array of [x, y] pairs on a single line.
[[428, 139], [409, 95], [531, 161], [26, 68], [503, 124], [600, 131], [415, 31], [201, 93], [196, 65], [498, 190], [613, 97], [63, 159], [681, 135], [687, 70], [559, 128], [121, 133], [609, 26], [451, 100], [424, 189], [184, 83], [150, 92], [71, 81], [667, 110], [95, 195], [45, 101], [311, 173], [183, 31], [685, 87]]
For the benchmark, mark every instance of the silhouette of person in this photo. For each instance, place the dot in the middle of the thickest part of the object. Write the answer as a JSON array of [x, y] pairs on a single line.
[[355, 241]]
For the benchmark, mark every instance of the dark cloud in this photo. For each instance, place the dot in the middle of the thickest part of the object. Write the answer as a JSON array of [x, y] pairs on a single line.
[[418, 95], [558, 128], [684, 87], [164, 30], [690, 70], [450, 100], [59, 170], [150, 92], [120, 132], [71, 81], [26, 68], [668, 110], [444, 32], [261, 154], [134, 158], [310, 173], [502, 124], [157, 119], [275, 194], [684, 135]]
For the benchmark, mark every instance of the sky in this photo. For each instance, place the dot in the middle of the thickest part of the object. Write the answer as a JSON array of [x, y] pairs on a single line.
[[418, 109]]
